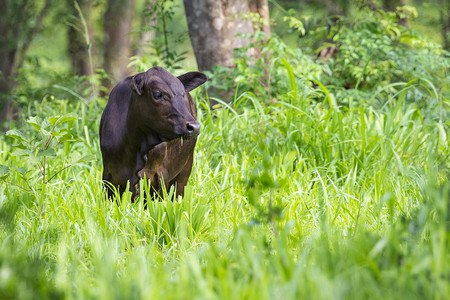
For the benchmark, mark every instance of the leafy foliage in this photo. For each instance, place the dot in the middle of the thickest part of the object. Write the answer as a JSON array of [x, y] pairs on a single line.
[[40, 148], [163, 50], [375, 51], [373, 55]]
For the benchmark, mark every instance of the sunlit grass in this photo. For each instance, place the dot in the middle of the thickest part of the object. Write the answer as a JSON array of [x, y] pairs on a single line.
[[298, 199]]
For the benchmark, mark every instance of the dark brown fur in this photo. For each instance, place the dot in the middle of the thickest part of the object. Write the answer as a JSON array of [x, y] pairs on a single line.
[[142, 135]]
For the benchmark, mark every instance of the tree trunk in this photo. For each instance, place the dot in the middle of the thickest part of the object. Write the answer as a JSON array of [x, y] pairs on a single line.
[[445, 23], [19, 24], [78, 39], [7, 50], [117, 25], [213, 26]]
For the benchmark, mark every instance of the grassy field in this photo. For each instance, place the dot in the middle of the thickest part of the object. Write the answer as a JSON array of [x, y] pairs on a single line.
[[319, 180], [302, 198]]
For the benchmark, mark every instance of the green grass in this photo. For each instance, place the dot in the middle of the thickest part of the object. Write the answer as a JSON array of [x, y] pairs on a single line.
[[299, 199]]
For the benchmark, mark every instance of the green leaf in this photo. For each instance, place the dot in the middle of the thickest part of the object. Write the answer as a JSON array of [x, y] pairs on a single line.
[[53, 119], [35, 122], [21, 170], [56, 120], [67, 137], [16, 134], [291, 77], [55, 133], [442, 134], [68, 117], [4, 170], [48, 152], [330, 97], [21, 152], [75, 157]]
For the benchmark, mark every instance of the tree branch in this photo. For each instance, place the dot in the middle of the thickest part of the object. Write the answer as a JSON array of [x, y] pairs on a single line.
[[16, 185], [68, 166]]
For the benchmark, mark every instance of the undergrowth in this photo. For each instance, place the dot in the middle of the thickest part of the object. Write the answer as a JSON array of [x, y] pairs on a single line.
[[296, 199]]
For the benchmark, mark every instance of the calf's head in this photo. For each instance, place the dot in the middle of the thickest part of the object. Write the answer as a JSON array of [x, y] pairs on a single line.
[[160, 103]]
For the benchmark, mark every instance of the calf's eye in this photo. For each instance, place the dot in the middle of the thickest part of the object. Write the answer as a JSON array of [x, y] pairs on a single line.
[[157, 95]]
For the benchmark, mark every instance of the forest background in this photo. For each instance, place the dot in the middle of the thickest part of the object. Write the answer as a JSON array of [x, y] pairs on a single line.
[[322, 169]]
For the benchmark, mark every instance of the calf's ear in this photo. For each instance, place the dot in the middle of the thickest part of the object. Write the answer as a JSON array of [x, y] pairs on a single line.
[[192, 80], [137, 83]]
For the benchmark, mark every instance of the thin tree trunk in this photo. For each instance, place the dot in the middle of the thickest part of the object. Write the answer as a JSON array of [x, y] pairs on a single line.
[[78, 46], [117, 25], [15, 39], [445, 23]]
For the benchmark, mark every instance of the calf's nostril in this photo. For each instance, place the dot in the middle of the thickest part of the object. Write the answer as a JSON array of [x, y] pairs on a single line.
[[193, 128]]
